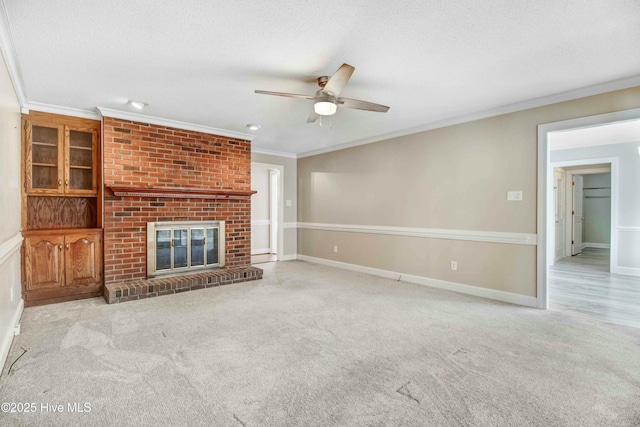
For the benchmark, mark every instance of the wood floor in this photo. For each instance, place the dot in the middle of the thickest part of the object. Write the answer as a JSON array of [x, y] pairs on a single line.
[[583, 285]]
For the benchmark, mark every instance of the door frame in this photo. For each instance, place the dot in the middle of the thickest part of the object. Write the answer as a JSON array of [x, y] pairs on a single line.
[[553, 259], [584, 171], [613, 162], [279, 185], [545, 179]]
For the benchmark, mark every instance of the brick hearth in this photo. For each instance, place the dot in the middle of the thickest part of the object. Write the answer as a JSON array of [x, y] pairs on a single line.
[[139, 289]]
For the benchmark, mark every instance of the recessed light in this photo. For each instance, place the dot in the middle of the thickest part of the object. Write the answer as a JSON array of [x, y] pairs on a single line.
[[252, 126], [138, 104]]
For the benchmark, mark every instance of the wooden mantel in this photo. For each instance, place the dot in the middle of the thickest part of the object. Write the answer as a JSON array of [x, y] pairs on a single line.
[[180, 193]]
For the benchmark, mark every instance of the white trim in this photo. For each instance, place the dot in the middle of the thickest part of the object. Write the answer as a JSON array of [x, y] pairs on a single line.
[[273, 153], [597, 245], [261, 251], [9, 53], [9, 247], [261, 222], [434, 233], [65, 111], [628, 271], [126, 115], [483, 114], [425, 281], [290, 225], [5, 344], [279, 223], [289, 257], [629, 229], [544, 196]]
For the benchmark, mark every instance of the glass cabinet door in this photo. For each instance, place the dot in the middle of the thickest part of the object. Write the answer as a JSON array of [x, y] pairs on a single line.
[[81, 177], [44, 155]]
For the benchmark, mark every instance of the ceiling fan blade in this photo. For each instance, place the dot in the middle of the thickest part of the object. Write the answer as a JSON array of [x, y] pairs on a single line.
[[313, 116], [288, 95], [362, 105], [338, 80]]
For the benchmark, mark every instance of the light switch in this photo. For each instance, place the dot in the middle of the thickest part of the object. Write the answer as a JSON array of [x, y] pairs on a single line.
[[514, 195], [288, 203]]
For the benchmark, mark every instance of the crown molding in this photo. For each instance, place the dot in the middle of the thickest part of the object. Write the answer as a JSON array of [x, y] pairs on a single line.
[[9, 54], [491, 112], [126, 115], [274, 153], [65, 111]]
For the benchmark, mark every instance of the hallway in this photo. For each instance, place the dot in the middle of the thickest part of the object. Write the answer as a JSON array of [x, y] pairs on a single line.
[[583, 285]]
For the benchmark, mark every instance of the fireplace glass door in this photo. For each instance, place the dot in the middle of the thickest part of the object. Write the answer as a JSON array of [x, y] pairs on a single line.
[[177, 247]]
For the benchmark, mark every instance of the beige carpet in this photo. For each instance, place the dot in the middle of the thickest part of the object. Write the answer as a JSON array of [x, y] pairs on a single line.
[[315, 346]]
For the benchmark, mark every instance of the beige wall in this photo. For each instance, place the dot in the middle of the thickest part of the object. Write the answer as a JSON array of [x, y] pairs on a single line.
[[290, 248], [453, 178], [9, 211]]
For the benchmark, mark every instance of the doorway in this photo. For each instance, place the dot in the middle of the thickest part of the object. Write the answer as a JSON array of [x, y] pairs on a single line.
[[591, 245], [582, 209], [266, 212]]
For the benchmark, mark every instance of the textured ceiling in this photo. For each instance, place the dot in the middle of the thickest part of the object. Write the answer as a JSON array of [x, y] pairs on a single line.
[[200, 61]]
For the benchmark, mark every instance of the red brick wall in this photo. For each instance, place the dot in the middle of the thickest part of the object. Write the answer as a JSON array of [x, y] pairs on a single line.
[[140, 154]]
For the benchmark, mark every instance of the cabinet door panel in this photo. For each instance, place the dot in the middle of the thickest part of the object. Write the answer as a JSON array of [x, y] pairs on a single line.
[[83, 259], [81, 158], [44, 262], [44, 158]]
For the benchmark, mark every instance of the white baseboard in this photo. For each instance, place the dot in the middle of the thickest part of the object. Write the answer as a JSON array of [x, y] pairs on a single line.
[[628, 271], [434, 283], [8, 334], [289, 257], [264, 251], [597, 245]]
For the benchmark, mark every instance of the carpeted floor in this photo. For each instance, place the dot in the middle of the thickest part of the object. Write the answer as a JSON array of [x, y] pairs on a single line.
[[311, 345]]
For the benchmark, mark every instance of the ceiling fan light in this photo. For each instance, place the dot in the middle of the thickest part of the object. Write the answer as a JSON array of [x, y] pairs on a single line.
[[325, 108]]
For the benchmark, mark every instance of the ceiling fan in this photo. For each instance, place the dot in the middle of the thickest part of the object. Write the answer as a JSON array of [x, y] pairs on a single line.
[[326, 100]]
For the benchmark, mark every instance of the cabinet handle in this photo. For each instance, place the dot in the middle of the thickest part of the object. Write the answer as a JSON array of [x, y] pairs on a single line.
[[67, 246], [66, 182], [60, 246], [59, 182]]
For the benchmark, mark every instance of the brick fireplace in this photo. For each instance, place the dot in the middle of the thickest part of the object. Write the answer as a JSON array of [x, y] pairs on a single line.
[[154, 173]]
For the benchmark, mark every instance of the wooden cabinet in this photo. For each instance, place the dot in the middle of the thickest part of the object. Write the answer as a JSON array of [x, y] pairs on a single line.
[[62, 264], [60, 158], [61, 208]]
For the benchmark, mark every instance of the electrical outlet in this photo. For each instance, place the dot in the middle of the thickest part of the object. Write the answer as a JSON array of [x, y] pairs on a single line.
[[288, 203], [513, 196], [454, 265], [335, 248], [11, 294]]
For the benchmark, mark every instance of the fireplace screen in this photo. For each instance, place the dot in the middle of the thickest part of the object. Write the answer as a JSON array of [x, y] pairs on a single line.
[[178, 247]]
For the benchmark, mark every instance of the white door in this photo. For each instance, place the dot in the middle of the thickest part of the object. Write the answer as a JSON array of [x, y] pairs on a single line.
[[558, 190], [261, 242], [576, 239]]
